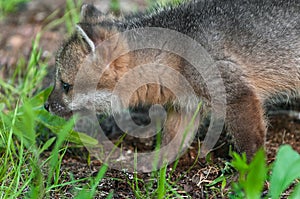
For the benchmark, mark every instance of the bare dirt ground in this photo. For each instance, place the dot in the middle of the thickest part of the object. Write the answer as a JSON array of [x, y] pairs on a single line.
[[16, 33]]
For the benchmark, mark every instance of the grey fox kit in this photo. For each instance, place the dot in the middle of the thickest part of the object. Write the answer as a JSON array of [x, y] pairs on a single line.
[[255, 45]]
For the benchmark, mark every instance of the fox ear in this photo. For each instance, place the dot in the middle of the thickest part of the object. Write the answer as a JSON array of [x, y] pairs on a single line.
[[93, 34], [86, 35], [90, 14]]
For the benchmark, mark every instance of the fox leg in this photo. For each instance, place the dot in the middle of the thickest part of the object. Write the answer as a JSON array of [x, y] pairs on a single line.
[[244, 112], [245, 120]]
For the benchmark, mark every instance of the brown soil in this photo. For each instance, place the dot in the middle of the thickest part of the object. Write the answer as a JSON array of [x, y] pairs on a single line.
[[16, 33]]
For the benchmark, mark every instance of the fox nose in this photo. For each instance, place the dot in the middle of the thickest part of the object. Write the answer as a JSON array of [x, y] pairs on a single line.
[[46, 106]]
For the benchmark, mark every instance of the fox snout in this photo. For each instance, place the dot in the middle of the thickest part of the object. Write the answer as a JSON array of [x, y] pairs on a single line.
[[58, 109], [56, 105], [46, 106]]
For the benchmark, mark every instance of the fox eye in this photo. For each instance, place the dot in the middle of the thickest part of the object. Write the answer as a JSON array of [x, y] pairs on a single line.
[[66, 87]]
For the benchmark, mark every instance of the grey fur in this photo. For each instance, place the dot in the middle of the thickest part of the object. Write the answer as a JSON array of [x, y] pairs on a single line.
[[255, 44]]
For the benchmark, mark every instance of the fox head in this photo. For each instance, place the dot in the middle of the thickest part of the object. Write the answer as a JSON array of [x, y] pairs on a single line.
[[101, 43], [94, 28]]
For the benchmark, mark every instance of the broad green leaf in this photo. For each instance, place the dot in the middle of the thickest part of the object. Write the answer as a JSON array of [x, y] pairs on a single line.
[[286, 169], [296, 192], [25, 125], [39, 99], [256, 176], [216, 181], [240, 164], [55, 123], [47, 145]]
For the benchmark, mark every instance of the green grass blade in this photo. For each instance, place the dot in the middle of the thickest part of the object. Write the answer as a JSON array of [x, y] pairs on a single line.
[[89, 194], [161, 189], [63, 133]]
